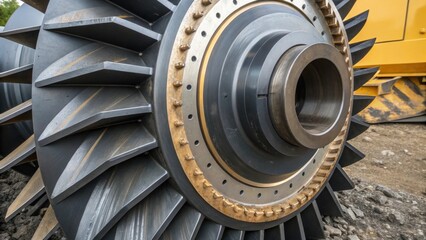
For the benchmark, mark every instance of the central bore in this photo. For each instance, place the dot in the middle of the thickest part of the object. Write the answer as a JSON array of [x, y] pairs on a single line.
[[309, 95]]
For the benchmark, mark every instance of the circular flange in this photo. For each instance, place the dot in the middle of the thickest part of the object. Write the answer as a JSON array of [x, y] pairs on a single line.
[[237, 198]]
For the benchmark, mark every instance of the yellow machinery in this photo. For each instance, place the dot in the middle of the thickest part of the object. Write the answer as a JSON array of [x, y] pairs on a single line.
[[400, 52]]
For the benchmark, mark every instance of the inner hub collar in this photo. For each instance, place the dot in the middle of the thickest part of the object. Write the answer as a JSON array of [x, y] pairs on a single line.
[[309, 95]]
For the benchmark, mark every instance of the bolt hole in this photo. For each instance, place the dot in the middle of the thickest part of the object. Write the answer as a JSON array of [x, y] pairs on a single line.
[[303, 174], [303, 6], [241, 192], [291, 185], [203, 33], [190, 116], [194, 58], [209, 165], [276, 192], [218, 15], [259, 195], [314, 161], [224, 182], [315, 18], [322, 33], [235, 2], [189, 87], [197, 143]]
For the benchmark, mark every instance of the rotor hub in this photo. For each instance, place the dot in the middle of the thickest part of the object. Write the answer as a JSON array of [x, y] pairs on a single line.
[[258, 92]]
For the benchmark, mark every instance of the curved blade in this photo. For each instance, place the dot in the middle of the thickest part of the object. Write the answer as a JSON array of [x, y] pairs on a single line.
[[254, 235], [350, 155], [47, 227], [95, 64], [312, 222], [275, 233], [360, 49], [210, 231], [116, 193], [24, 36], [95, 107], [100, 151], [22, 112], [20, 154], [18, 75], [107, 72], [360, 103], [362, 76], [150, 218], [31, 192], [185, 225], [294, 228], [116, 31], [357, 127], [344, 7], [40, 5], [152, 11], [328, 203], [340, 181], [354, 25], [232, 234]]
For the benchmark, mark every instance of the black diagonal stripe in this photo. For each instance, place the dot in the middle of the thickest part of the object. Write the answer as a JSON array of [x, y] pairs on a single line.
[[413, 87], [404, 97], [391, 106]]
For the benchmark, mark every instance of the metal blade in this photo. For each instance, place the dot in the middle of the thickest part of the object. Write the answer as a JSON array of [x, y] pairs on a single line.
[[344, 7], [20, 154], [255, 235], [47, 227], [360, 103], [22, 112], [232, 234], [362, 76], [116, 193], [328, 203], [151, 217], [354, 25], [100, 151], [95, 64], [360, 49], [95, 107], [294, 229], [357, 127], [109, 73], [340, 181], [350, 155], [26, 36], [40, 5], [312, 222], [275, 232], [210, 231], [18, 75], [31, 192], [111, 30], [185, 225], [151, 11]]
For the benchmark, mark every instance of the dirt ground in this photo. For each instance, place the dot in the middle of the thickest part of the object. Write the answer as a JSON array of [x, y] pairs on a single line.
[[395, 157]]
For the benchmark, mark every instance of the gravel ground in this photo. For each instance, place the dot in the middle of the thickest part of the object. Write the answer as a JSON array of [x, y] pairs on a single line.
[[389, 202]]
